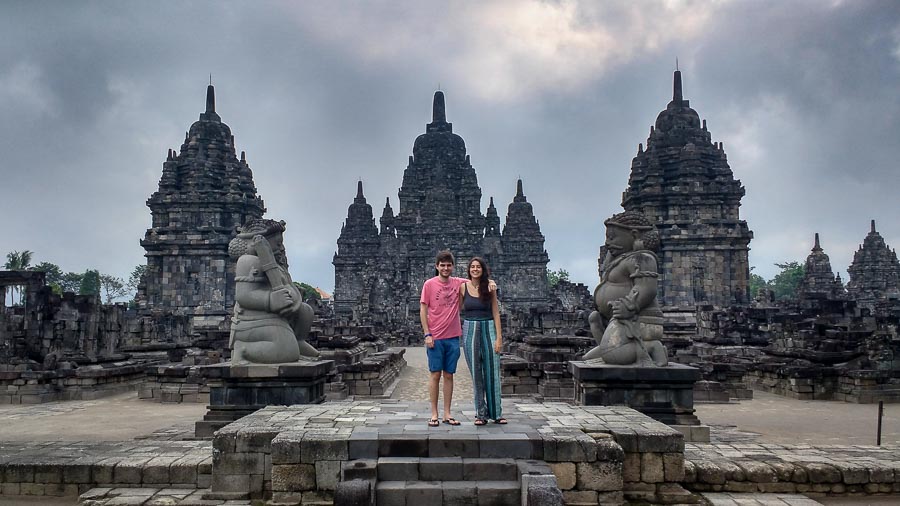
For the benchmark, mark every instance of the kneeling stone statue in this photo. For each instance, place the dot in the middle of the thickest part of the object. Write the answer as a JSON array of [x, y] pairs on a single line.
[[627, 323], [271, 322]]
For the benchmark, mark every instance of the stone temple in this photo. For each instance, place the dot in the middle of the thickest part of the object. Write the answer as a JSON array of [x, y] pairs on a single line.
[[378, 273], [875, 271], [682, 182], [204, 194]]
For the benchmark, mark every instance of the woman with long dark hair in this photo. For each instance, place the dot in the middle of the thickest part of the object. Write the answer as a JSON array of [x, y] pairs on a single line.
[[482, 341]]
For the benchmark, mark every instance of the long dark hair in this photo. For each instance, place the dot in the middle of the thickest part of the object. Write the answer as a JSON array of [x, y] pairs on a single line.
[[483, 292]]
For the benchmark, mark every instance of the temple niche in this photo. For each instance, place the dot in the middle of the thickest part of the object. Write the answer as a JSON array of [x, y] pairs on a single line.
[[204, 194], [378, 273], [682, 183]]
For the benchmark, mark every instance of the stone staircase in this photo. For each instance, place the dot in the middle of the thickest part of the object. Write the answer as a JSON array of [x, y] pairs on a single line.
[[447, 481]]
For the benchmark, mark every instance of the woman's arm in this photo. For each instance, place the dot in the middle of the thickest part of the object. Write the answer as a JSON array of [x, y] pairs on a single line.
[[462, 292], [495, 309]]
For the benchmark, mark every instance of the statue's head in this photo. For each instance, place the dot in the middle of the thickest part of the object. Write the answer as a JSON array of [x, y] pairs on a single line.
[[272, 230], [630, 231]]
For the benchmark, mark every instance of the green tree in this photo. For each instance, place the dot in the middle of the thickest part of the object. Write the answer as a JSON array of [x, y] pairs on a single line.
[[113, 287], [308, 291], [90, 283], [785, 283], [17, 261], [757, 283], [554, 277], [137, 275], [71, 282], [53, 275]]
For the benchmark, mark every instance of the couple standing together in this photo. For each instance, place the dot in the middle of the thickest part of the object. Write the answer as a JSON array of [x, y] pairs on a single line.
[[439, 310]]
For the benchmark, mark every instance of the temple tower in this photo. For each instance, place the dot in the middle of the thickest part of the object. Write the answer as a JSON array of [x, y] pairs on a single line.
[[875, 271], [819, 281], [356, 256], [683, 184], [524, 260], [204, 194], [440, 208]]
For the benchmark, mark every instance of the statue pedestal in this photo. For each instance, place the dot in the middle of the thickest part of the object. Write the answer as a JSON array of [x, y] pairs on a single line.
[[665, 394], [237, 391]]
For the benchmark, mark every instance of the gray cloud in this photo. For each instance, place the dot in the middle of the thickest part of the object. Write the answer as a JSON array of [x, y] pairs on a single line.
[[319, 94]]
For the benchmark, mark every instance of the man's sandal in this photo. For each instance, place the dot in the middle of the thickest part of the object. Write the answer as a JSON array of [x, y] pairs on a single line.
[[434, 422], [451, 421], [479, 421], [500, 421]]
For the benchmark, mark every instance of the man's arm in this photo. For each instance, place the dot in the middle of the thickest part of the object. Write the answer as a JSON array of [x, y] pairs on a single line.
[[423, 317]]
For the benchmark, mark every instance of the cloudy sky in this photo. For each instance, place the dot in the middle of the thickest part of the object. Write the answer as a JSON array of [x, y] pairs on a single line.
[[804, 95]]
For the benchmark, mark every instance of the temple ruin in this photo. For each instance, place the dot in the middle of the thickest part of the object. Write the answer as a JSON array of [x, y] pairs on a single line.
[[204, 194], [378, 273]]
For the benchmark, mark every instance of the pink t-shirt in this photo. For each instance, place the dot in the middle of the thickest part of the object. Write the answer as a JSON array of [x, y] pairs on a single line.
[[442, 300]]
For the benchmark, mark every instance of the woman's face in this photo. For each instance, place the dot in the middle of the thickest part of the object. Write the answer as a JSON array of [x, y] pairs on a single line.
[[475, 269]]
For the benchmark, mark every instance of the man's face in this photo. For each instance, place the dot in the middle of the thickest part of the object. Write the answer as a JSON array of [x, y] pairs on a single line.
[[619, 240], [445, 269]]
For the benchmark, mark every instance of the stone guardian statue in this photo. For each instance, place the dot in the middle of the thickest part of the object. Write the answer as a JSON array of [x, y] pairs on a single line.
[[271, 322], [628, 322]]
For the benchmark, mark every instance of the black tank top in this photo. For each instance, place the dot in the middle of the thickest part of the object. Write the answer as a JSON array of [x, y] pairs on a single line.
[[474, 308]]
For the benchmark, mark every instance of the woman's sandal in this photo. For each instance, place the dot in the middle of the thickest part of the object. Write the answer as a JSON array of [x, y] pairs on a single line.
[[500, 421], [451, 421], [434, 422], [479, 421]]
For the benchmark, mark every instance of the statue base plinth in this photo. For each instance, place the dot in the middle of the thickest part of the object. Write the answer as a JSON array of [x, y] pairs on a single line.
[[237, 391], [665, 393]]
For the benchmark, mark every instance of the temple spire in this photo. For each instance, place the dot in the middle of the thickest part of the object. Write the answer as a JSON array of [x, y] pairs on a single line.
[[439, 112], [210, 99], [677, 95], [873, 226], [816, 246], [520, 195], [359, 190]]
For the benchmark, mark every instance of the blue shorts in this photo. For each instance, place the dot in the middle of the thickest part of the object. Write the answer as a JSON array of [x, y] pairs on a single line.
[[444, 355]]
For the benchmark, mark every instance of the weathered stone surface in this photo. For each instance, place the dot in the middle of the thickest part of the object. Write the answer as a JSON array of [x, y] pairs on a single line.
[[600, 476]]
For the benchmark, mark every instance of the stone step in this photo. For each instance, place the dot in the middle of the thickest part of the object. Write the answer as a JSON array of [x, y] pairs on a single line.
[[449, 444], [448, 493], [447, 469]]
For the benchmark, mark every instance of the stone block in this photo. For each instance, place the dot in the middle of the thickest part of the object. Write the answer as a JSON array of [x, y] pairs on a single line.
[[819, 472], [757, 472], [565, 474], [286, 447], [423, 492], [441, 469], [499, 493], [599, 476], [514, 446], [673, 466], [631, 467], [402, 445], [359, 470], [709, 472], [231, 483], [317, 447], [459, 492], [398, 469], [490, 469], [362, 445], [128, 471], [293, 477], [652, 470], [776, 488], [852, 474], [78, 473], [440, 445], [580, 497], [239, 463], [327, 474]]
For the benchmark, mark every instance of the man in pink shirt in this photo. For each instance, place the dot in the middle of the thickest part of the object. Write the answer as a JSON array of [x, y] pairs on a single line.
[[439, 313]]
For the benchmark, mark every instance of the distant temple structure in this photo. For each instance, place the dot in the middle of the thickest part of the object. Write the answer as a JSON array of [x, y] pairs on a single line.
[[875, 271], [204, 194], [380, 272], [683, 184]]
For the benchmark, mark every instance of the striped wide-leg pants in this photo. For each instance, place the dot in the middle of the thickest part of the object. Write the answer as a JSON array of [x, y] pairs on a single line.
[[484, 364]]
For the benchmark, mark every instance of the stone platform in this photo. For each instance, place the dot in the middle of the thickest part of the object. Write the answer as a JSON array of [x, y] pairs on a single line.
[[594, 453], [663, 393], [237, 391]]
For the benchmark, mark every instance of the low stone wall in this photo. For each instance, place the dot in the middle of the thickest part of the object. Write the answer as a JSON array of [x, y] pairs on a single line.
[[174, 383], [540, 368], [805, 469], [72, 468], [83, 383], [825, 383], [376, 374]]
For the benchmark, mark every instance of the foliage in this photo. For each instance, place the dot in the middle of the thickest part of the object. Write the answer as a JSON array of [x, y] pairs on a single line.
[[137, 275], [18, 260], [113, 287], [786, 282], [554, 277], [53, 275], [71, 282], [308, 291], [757, 283], [90, 283]]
